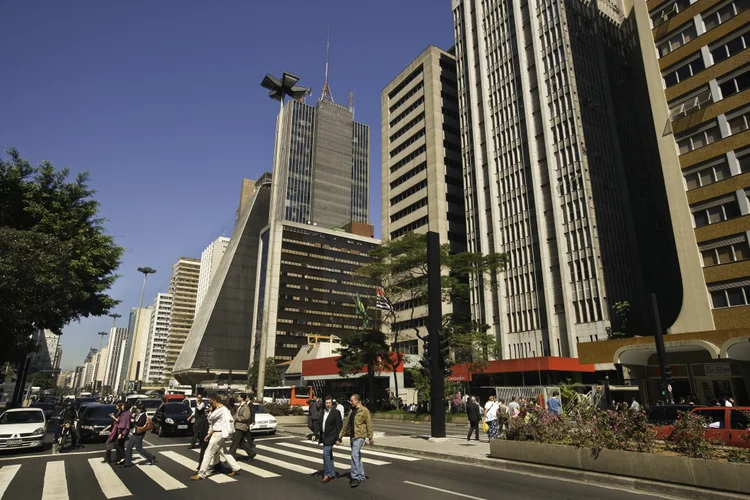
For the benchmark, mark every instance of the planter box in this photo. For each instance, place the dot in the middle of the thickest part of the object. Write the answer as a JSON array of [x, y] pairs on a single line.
[[292, 420], [722, 476]]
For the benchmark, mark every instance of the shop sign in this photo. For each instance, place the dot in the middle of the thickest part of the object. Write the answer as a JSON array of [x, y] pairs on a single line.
[[717, 369]]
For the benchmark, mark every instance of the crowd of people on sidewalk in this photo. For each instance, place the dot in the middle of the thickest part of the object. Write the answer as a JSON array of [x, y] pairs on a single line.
[[495, 411]]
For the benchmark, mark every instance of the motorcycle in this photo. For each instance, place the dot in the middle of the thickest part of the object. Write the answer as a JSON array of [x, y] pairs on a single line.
[[65, 437]]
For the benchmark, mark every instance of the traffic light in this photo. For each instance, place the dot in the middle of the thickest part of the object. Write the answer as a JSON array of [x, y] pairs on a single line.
[[425, 367], [447, 369], [443, 350], [425, 361]]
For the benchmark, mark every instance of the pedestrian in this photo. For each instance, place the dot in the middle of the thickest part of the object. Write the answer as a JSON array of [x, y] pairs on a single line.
[[112, 437], [357, 426], [555, 406], [330, 427], [634, 406], [513, 407], [202, 425], [473, 412], [490, 417], [243, 419], [221, 426], [340, 408], [316, 412], [141, 425], [197, 419], [123, 431]]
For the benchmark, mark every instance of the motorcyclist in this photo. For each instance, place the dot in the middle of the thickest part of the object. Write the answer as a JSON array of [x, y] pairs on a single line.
[[69, 415]]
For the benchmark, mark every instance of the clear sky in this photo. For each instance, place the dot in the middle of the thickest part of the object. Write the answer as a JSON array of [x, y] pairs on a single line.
[[160, 101]]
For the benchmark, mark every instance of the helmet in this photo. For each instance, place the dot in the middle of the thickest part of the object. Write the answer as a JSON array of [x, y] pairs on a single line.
[[70, 405]]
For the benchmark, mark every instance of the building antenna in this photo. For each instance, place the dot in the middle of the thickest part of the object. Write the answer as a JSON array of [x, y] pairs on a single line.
[[351, 101], [326, 94]]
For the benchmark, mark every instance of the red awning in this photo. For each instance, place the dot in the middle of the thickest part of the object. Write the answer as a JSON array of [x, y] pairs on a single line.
[[461, 372], [327, 366]]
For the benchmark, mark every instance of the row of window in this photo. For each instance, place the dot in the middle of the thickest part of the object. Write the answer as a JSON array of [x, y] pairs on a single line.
[[695, 66], [733, 297], [406, 97], [407, 126], [406, 112], [401, 86], [406, 159], [719, 213], [408, 142], [414, 189], [408, 175], [409, 227], [408, 210], [726, 254]]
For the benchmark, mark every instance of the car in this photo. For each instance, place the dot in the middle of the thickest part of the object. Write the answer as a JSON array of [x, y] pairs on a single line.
[[151, 406], [83, 402], [93, 421], [47, 408], [22, 428], [728, 425], [171, 418], [667, 414], [131, 399], [265, 423]]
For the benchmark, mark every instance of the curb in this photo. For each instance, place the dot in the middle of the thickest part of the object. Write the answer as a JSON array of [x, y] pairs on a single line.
[[608, 480], [419, 422]]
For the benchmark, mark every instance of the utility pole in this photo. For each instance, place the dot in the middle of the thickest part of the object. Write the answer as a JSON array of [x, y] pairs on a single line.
[[435, 335]]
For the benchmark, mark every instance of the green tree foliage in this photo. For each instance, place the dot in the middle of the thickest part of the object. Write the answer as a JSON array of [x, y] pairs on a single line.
[[56, 260], [42, 380], [422, 385], [620, 320], [274, 376], [365, 347]]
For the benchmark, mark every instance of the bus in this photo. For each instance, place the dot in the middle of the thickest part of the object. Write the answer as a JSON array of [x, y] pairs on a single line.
[[295, 396]]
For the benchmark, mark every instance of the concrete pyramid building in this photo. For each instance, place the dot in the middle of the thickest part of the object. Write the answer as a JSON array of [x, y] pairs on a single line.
[[218, 345]]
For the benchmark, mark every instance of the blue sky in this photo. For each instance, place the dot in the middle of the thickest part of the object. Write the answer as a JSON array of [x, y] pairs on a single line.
[[160, 101]]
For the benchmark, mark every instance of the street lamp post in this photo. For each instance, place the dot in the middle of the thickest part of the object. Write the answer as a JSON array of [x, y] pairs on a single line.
[[279, 89], [101, 344], [146, 271]]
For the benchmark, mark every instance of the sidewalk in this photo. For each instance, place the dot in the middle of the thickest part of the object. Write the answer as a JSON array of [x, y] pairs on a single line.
[[478, 454]]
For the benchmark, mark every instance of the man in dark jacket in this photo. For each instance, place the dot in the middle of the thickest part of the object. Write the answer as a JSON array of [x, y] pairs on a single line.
[[474, 414], [243, 419], [330, 427], [198, 417], [314, 416]]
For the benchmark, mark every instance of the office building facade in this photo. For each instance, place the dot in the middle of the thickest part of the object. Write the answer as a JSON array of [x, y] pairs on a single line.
[[135, 354], [116, 351], [183, 286], [210, 259], [158, 334], [422, 180]]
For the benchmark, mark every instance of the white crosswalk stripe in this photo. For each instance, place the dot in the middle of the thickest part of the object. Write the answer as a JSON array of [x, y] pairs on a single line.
[[345, 456], [253, 470], [55, 482], [110, 484], [375, 453], [160, 477], [7, 473], [190, 464], [299, 456]]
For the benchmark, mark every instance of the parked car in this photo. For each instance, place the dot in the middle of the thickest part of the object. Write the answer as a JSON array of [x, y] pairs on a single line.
[[171, 418], [132, 399], [265, 423], [173, 398], [728, 425], [192, 403], [81, 403], [22, 428], [667, 414], [47, 408], [151, 406], [93, 421]]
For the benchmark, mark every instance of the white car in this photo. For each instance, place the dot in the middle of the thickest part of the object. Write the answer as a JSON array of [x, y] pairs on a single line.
[[22, 428], [264, 421]]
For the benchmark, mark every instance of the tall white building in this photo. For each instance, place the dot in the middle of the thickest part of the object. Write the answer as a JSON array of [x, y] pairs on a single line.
[[49, 351], [116, 347], [138, 330], [156, 347], [210, 259], [89, 369], [100, 361]]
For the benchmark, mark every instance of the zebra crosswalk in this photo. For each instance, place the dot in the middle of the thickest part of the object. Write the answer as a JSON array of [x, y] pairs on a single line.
[[80, 475]]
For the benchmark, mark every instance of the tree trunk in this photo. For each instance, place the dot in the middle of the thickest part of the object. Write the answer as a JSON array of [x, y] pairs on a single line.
[[395, 377]]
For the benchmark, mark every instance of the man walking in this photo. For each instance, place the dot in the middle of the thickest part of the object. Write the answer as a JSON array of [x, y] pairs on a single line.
[[473, 412], [198, 419], [139, 421], [316, 412], [243, 419], [330, 428], [358, 427], [221, 426], [123, 430]]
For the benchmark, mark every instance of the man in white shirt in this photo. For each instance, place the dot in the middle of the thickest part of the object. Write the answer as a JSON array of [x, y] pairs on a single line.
[[513, 407], [340, 408], [490, 416], [221, 426]]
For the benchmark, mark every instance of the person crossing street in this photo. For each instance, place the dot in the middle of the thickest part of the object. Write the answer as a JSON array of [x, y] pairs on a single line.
[[243, 419], [358, 427], [330, 428], [139, 421], [198, 418], [221, 426]]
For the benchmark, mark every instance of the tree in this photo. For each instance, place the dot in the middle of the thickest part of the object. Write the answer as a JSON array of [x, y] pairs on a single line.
[[274, 376], [400, 267], [620, 321], [422, 385], [366, 347], [42, 380], [56, 260]]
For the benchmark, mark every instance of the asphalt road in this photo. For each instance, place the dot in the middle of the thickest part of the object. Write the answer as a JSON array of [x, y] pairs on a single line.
[[286, 467]]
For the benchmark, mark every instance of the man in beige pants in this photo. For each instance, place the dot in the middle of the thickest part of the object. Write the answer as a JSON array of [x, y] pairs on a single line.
[[221, 426]]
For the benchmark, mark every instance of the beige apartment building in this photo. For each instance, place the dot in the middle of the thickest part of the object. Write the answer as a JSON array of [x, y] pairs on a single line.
[[183, 286], [698, 74], [422, 186]]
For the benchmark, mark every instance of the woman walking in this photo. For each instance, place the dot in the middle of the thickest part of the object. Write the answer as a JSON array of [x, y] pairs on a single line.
[[490, 417]]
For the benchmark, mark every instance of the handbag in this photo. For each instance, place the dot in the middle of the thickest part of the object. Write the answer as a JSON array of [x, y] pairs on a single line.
[[145, 428], [485, 427]]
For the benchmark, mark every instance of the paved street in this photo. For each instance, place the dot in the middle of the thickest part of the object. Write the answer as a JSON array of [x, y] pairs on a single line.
[[286, 467]]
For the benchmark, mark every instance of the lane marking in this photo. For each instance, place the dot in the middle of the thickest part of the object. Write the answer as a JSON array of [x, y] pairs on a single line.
[[285, 465], [299, 456], [443, 491], [335, 454], [110, 484], [160, 477], [7, 473], [376, 453], [55, 482], [265, 474], [190, 464]]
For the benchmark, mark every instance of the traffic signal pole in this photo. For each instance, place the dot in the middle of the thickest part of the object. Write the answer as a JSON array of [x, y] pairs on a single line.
[[434, 326]]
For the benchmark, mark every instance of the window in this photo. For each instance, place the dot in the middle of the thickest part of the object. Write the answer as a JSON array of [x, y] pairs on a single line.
[[668, 11], [716, 214], [739, 121], [726, 254], [406, 347], [688, 33], [698, 139], [675, 76], [738, 421], [690, 105], [704, 176], [735, 84], [724, 13], [730, 48], [735, 296]]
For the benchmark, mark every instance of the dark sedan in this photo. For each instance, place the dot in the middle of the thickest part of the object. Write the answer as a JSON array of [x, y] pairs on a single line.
[[172, 418], [47, 408], [93, 421]]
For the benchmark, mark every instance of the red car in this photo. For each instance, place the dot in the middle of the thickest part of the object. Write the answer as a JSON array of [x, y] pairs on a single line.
[[729, 425]]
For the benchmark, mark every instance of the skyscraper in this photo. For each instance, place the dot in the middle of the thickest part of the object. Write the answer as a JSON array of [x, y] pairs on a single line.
[[210, 259], [325, 158], [553, 162], [183, 286], [135, 354], [422, 182], [116, 350], [158, 334]]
